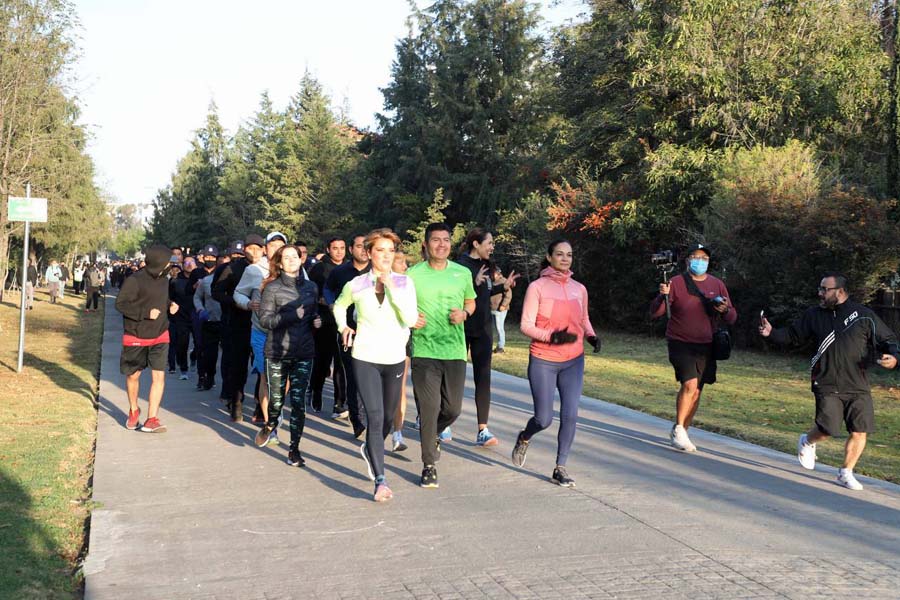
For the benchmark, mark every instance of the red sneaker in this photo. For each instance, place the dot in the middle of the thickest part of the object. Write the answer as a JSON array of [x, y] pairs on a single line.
[[133, 416], [152, 425]]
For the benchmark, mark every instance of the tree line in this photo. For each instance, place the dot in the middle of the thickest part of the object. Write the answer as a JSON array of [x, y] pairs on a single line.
[[767, 130], [41, 141]]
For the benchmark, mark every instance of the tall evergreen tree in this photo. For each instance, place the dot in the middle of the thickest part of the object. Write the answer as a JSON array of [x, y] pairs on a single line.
[[458, 108]]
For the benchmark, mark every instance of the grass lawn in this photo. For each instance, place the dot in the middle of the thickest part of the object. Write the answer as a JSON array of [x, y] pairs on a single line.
[[761, 398], [48, 423]]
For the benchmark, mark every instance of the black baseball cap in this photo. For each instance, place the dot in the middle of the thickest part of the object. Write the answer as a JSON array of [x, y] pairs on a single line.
[[701, 247], [209, 250], [236, 247], [254, 240]]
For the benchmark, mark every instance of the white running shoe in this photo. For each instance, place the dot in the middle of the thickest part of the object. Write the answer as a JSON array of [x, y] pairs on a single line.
[[845, 478], [680, 439], [397, 443], [365, 457], [806, 454]]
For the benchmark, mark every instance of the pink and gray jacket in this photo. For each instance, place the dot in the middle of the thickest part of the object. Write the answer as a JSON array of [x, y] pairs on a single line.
[[556, 301]]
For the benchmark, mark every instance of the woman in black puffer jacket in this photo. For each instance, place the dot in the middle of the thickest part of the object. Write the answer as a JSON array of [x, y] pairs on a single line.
[[288, 309]]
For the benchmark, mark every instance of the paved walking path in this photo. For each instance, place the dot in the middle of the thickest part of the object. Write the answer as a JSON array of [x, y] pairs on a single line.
[[200, 512]]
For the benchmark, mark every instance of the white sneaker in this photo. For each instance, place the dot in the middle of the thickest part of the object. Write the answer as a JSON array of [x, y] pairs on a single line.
[[806, 454], [397, 443], [845, 478], [680, 439], [365, 457]]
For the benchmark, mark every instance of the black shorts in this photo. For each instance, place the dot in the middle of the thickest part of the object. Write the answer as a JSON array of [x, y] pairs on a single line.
[[692, 361], [138, 358], [856, 410]]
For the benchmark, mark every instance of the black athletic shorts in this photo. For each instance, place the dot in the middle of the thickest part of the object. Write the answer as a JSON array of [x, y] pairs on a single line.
[[692, 361], [856, 410], [138, 358]]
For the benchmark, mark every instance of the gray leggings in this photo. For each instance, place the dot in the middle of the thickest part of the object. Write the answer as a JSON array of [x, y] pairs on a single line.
[[545, 377], [379, 389]]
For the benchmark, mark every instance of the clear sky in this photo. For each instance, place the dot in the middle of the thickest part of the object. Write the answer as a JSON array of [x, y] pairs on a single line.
[[149, 69]]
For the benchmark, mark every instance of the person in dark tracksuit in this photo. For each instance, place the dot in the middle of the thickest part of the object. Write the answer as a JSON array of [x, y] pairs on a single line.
[[182, 294], [334, 285], [234, 254], [327, 335], [94, 280], [850, 338], [477, 249], [236, 329], [209, 314], [205, 268]]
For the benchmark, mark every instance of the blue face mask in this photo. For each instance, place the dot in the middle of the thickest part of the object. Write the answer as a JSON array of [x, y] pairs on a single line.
[[698, 266]]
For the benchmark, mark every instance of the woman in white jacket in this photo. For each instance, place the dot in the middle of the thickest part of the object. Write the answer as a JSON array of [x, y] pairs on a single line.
[[385, 310]]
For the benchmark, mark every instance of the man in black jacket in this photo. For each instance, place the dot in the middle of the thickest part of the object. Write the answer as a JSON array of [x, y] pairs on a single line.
[[327, 335], [236, 322], [850, 338], [335, 283], [181, 292], [235, 254], [143, 301]]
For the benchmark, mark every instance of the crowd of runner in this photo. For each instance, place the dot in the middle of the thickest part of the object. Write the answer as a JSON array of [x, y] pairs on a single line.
[[88, 278], [263, 308]]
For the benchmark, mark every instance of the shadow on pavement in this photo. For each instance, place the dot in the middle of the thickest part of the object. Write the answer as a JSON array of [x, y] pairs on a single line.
[[757, 491]]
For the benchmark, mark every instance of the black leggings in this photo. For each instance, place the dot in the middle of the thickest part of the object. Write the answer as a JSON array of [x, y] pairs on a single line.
[[352, 404], [481, 348], [379, 390], [278, 373]]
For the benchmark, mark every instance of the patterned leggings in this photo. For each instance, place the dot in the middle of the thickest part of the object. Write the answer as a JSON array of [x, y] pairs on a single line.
[[278, 373]]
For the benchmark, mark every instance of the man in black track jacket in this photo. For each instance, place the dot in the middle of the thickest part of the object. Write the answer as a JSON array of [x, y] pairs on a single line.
[[850, 339], [235, 326], [327, 335]]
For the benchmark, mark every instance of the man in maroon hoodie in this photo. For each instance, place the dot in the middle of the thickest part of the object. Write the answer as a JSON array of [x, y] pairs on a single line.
[[143, 301], [690, 333]]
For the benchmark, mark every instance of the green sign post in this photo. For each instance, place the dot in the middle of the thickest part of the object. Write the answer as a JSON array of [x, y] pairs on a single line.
[[30, 210]]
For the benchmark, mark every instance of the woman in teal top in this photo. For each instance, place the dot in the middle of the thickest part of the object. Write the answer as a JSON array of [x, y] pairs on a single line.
[[385, 310]]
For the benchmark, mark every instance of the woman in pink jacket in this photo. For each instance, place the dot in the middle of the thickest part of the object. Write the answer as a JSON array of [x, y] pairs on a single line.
[[555, 317]]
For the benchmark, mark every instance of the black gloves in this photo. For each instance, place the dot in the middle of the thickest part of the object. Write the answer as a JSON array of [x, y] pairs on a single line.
[[594, 341], [562, 337]]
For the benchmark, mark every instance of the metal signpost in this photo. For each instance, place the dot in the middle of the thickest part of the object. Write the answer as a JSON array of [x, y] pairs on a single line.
[[26, 209]]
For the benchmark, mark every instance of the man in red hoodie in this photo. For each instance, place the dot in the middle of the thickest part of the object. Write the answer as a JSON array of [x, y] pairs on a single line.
[[143, 301]]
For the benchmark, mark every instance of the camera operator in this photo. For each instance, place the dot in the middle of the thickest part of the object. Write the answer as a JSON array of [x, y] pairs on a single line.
[[690, 334], [850, 337]]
